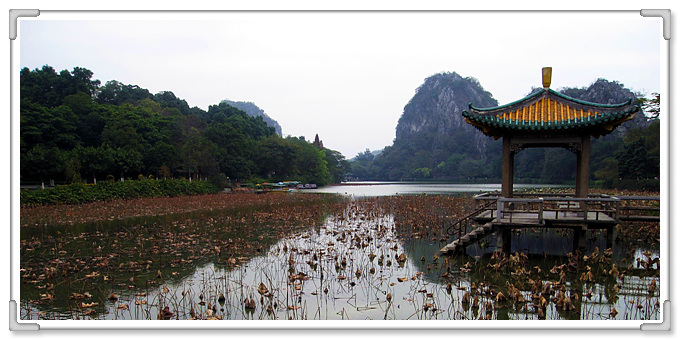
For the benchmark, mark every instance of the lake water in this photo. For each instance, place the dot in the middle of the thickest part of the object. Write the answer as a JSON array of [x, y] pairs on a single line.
[[357, 263], [404, 188]]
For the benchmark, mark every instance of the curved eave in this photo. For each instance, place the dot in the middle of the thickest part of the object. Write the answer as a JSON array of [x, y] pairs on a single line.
[[597, 105], [600, 125], [549, 93], [506, 106]]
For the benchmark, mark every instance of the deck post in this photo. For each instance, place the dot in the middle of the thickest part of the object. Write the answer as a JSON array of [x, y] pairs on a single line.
[[610, 237], [579, 241], [504, 240]]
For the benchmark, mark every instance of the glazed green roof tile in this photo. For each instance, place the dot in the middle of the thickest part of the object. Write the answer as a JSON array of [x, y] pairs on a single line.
[[547, 110]]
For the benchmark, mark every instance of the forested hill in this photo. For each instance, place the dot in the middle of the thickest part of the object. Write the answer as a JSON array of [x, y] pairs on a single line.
[[432, 138], [252, 110], [434, 142], [74, 128]]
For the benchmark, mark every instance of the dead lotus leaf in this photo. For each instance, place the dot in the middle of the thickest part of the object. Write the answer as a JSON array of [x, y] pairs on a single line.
[[613, 312], [262, 289], [500, 297]]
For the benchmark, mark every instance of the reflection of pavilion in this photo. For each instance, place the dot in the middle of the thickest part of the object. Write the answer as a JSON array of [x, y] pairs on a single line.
[[546, 118]]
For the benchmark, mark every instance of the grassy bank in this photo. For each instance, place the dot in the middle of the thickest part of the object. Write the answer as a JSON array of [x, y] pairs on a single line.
[[122, 209], [103, 191]]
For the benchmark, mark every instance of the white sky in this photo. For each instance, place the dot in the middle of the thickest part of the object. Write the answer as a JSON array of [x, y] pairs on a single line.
[[344, 75], [625, 50]]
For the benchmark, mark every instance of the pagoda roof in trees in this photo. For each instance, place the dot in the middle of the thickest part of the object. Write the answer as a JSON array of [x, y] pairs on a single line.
[[549, 112]]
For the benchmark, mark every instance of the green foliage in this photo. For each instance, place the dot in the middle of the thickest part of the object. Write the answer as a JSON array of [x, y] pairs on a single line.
[[338, 166], [639, 155], [649, 184], [608, 174], [117, 93], [432, 135], [310, 162], [74, 130], [421, 173], [651, 107], [106, 190]]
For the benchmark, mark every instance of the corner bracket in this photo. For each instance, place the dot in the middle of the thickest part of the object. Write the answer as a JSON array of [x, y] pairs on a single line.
[[665, 14], [665, 325], [14, 14], [14, 325]]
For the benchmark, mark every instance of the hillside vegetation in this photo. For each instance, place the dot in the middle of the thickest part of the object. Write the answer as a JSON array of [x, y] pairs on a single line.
[[75, 129], [433, 141]]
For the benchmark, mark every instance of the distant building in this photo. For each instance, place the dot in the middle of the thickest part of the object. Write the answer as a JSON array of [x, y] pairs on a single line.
[[317, 142]]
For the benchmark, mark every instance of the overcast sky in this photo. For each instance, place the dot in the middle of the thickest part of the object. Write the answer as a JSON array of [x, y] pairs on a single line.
[[344, 75]]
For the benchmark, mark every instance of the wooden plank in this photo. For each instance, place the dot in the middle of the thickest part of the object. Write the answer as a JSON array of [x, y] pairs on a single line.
[[640, 218]]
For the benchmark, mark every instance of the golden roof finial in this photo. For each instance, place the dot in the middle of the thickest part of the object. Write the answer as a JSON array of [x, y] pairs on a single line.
[[547, 77]]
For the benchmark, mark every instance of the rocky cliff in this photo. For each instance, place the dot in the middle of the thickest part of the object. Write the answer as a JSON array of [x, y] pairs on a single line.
[[434, 141], [432, 136], [437, 105], [252, 110]]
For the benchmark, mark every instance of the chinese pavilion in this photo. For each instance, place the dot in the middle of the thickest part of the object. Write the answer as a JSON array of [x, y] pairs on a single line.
[[547, 118]]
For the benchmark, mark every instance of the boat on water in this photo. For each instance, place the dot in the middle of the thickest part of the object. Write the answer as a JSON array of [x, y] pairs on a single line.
[[277, 187]]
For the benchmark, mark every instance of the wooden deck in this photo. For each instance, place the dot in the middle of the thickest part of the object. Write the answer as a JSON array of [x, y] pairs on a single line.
[[501, 215], [548, 218]]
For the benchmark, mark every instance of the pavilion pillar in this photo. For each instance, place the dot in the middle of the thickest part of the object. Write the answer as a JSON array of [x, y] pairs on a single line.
[[610, 237], [583, 167], [508, 165], [579, 240]]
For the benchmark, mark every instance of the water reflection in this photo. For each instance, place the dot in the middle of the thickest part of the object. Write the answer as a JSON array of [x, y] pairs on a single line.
[[372, 189], [358, 265]]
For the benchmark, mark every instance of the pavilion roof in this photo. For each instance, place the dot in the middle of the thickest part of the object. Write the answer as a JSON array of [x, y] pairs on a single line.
[[547, 111]]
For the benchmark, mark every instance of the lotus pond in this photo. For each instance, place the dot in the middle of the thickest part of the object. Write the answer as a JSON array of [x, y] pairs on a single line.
[[318, 257]]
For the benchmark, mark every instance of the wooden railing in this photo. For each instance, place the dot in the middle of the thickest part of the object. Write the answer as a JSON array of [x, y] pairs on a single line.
[[564, 206], [639, 208], [459, 228]]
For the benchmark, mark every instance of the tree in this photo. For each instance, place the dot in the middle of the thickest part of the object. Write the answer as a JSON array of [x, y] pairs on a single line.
[[639, 155], [276, 156], [117, 93], [54, 127], [470, 168], [608, 173], [126, 161], [451, 166], [198, 155], [48, 88], [95, 160], [73, 126], [651, 107], [161, 154], [234, 150], [311, 163], [421, 172], [338, 166], [72, 167], [42, 162], [366, 156], [168, 99]]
